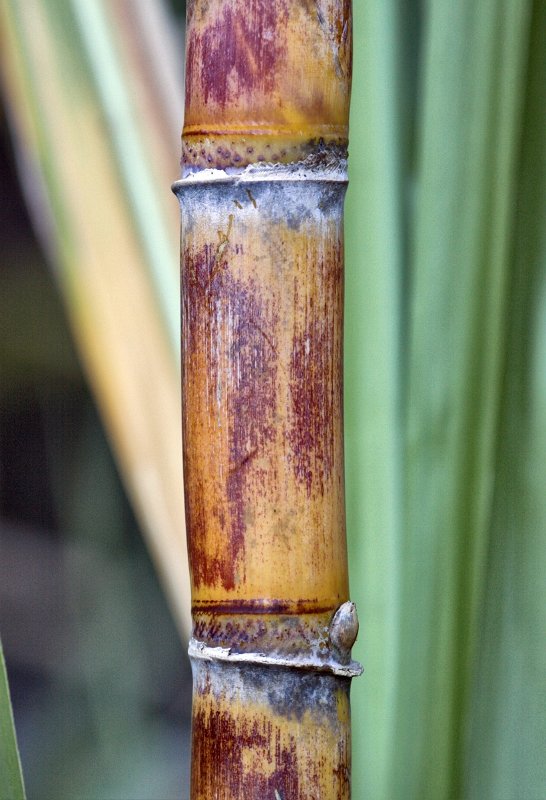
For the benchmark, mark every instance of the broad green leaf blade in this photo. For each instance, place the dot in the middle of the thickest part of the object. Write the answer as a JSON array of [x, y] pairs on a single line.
[[467, 532], [468, 143], [11, 777], [505, 755], [374, 268]]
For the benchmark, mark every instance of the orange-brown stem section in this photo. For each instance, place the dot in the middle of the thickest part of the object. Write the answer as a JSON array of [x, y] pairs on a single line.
[[266, 80], [262, 190], [259, 733], [262, 416]]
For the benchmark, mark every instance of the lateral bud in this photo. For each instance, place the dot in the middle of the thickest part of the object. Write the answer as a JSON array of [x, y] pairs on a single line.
[[343, 631]]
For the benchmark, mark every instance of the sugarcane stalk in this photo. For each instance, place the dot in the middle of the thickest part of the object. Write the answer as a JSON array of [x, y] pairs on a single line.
[[263, 182]]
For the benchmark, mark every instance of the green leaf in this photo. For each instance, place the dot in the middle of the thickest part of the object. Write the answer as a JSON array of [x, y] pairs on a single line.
[[445, 398], [469, 126], [11, 777], [508, 725], [374, 250]]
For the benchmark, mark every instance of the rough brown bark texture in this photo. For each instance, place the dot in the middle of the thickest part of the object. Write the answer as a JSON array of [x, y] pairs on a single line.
[[262, 190]]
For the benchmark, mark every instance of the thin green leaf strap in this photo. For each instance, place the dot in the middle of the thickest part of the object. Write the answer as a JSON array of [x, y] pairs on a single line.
[[11, 777]]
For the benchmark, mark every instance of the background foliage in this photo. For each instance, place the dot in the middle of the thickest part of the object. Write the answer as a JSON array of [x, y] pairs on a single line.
[[445, 396]]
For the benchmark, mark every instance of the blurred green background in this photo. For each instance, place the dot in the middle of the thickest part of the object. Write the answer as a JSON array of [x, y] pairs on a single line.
[[445, 398]]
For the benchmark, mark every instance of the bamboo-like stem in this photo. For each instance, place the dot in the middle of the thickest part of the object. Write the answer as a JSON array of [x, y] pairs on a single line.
[[262, 190]]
